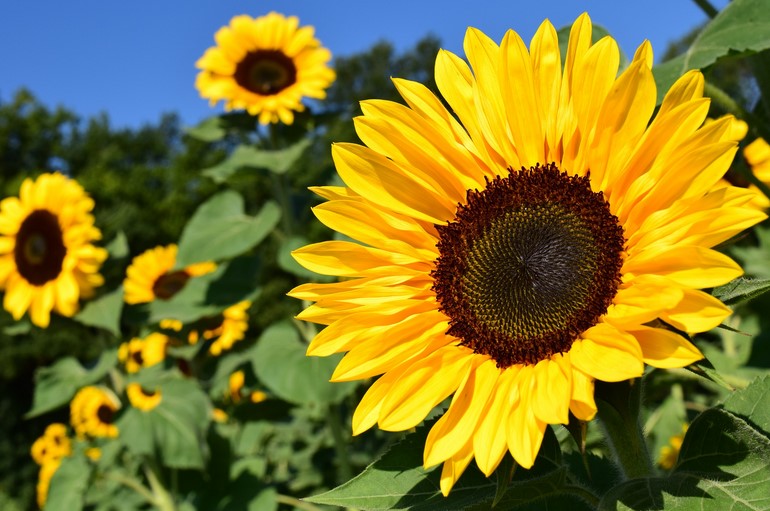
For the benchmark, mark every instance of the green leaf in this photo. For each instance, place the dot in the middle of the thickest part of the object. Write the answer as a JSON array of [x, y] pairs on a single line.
[[55, 385], [104, 312], [174, 430], [742, 27], [208, 295], [280, 363], [118, 247], [209, 130], [723, 464], [69, 484], [219, 229], [398, 481], [278, 162], [740, 290]]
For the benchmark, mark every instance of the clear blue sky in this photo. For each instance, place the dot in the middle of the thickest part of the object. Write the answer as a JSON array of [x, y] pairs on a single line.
[[136, 59]]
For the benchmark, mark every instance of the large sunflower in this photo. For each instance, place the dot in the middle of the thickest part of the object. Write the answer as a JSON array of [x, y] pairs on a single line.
[[47, 260], [150, 276], [265, 66], [535, 239]]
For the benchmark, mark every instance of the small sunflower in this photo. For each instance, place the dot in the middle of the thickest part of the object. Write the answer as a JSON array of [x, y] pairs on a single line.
[[150, 276], [757, 155], [266, 66], [47, 259], [224, 330], [92, 412], [519, 247], [53, 445], [142, 399], [138, 353], [235, 386], [669, 454]]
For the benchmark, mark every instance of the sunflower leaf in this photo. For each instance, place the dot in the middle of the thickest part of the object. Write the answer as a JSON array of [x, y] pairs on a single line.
[[279, 361], [216, 128], [55, 385], [174, 430], [69, 484], [743, 27], [398, 481], [104, 312], [723, 463], [219, 229], [741, 289], [277, 162]]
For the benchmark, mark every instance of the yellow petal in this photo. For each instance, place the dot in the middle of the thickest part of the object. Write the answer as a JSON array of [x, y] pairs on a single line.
[[582, 405], [552, 388], [607, 354], [696, 312], [666, 349], [489, 441], [454, 468], [693, 267]]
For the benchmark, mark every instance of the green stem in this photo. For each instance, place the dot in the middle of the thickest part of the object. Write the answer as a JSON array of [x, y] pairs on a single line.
[[340, 443], [706, 7], [618, 405], [163, 499], [130, 482], [299, 504]]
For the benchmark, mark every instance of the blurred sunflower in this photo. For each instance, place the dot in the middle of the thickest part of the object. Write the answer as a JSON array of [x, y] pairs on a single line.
[[138, 353], [266, 66], [757, 155], [224, 329], [669, 454], [53, 445], [92, 412], [142, 399], [47, 470], [150, 276], [47, 260], [521, 246]]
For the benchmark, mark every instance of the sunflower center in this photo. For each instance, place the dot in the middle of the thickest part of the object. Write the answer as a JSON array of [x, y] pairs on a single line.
[[265, 72], [169, 284], [105, 414], [528, 264], [137, 357], [39, 252]]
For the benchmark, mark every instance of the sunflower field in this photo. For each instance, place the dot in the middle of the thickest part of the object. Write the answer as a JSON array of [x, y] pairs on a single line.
[[529, 276]]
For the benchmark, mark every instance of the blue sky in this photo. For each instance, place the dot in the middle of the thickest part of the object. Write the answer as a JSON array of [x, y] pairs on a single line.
[[136, 59]]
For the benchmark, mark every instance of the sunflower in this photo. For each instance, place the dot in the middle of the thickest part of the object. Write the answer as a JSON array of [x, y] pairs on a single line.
[[757, 155], [142, 399], [151, 275], [223, 330], [265, 66], [47, 470], [47, 260], [92, 412], [669, 454], [53, 445], [535, 239], [138, 353]]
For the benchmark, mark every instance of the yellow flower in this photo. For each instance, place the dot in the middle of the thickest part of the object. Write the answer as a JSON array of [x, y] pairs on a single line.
[[141, 399], [669, 454], [757, 155], [138, 353], [236, 381], [150, 275], [224, 330], [92, 412], [94, 453], [53, 445], [258, 396], [219, 415], [521, 246], [265, 66], [47, 260], [47, 471]]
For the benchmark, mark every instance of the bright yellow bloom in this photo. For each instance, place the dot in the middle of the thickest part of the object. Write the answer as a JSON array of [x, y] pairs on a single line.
[[47, 260], [92, 412], [519, 247], [47, 470], [223, 330], [235, 385], [141, 399], [669, 454], [219, 415], [94, 453], [266, 66], [150, 276], [53, 445], [138, 353], [258, 396]]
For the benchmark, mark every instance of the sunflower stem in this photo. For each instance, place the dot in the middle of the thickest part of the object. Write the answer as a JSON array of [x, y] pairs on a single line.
[[706, 7], [340, 443], [618, 410], [163, 499], [299, 504], [280, 190]]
